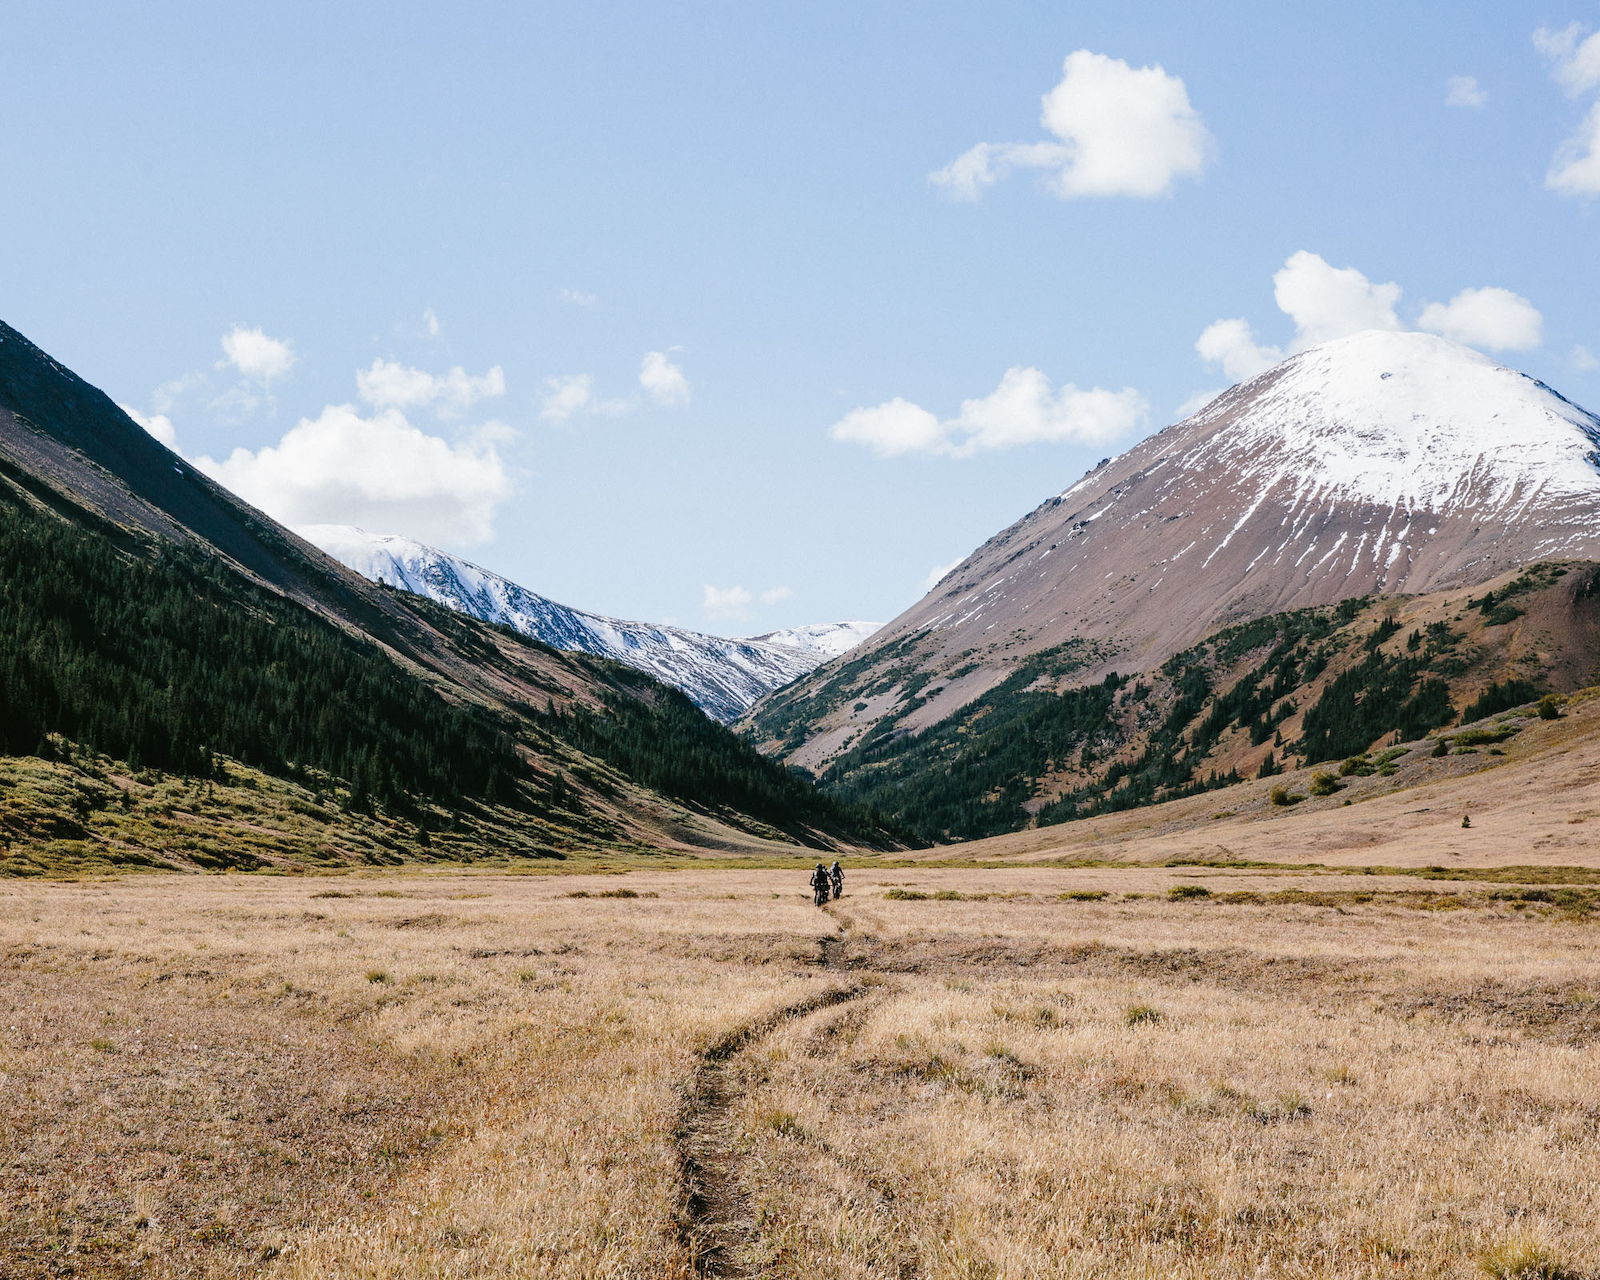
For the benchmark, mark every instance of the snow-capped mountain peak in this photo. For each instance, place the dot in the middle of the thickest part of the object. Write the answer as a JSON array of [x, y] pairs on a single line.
[[1383, 462], [723, 676], [1409, 419]]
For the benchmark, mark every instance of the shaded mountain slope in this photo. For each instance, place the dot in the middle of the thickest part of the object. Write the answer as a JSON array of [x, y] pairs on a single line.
[[134, 636], [1380, 463], [722, 676]]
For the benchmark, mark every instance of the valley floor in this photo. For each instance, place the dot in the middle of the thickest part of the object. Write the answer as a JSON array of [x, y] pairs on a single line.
[[1018, 1072]]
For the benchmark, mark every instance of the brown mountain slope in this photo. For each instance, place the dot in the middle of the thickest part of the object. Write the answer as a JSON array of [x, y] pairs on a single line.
[[1392, 463]]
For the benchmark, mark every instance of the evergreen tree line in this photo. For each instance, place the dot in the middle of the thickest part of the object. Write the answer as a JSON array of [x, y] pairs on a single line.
[[972, 774], [1382, 694], [969, 775], [156, 654], [656, 736]]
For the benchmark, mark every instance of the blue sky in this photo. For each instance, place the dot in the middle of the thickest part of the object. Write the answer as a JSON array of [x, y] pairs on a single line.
[[684, 256]]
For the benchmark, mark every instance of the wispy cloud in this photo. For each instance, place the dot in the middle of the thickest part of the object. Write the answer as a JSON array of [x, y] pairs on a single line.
[[389, 384], [1022, 410], [1575, 65], [1464, 91], [727, 604], [662, 380]]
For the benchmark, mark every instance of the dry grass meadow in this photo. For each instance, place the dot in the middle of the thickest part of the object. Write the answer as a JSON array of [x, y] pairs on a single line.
[[1018, 1072]]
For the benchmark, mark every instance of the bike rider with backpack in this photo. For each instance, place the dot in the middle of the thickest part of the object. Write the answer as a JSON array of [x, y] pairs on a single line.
[[836, 874], [820, 885]]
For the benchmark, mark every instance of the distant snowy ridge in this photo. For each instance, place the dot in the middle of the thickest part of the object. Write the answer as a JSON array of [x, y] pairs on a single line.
[[724, 677], [826, 639]]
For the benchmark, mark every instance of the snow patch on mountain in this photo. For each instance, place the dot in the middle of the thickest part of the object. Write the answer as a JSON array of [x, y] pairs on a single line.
[[723, 676], [827, 639], [1403, 420]]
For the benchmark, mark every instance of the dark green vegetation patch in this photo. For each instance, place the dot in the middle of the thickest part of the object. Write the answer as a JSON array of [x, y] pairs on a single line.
[[657, 737], [156, 654]]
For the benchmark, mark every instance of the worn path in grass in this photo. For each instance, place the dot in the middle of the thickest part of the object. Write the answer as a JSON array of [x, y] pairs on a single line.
[[718, 1221]]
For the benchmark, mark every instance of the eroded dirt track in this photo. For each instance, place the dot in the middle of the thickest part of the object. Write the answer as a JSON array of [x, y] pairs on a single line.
[[717, 1220]]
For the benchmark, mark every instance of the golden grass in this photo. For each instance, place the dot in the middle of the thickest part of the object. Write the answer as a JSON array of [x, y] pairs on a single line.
[[439, 1074]]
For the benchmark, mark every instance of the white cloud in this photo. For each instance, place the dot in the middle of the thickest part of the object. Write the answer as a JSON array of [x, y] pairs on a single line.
[[1121, 131], [236, 403], [430, 322], [567, 396], [1232, 344], [168, 393], [663, 379], [1575, 170], [255, 355], [1328, 302], [1583, 360], [937, 574], [1021, 410], [1331, 302], [378, 472], [1575, 63], [157, 424], [1575, 66], [775, 595], [392, 385], [1494, 319], [578, 298], [1464, 91], [727, 603], [893, 428], [1197, 401]]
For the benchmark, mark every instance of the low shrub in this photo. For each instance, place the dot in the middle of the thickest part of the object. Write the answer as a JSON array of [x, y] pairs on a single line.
[[905, 895], [1324, 783], [1523, 1258], [1283, 797], [1482, 737], [1183, 892], [1083, 895], [1140, 1015]]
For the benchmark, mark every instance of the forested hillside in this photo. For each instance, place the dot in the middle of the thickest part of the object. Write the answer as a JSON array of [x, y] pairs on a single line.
[[155, 654], [1312, 685], [160, 637]]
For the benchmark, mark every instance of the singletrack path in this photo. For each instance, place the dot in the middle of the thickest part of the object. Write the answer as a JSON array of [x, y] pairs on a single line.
[[716, 1218]]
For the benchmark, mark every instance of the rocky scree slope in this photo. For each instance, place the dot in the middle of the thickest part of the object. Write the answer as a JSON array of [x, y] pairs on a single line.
[[1375, 464], [723, 677]]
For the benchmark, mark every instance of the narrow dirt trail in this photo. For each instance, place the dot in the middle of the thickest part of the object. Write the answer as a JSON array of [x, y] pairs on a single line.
[[717, 1216]]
